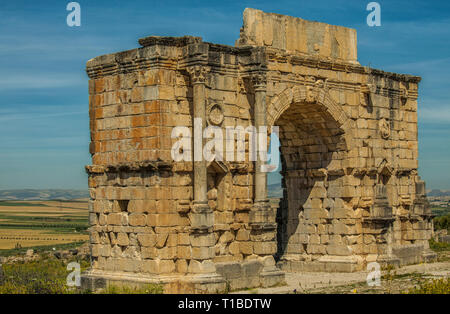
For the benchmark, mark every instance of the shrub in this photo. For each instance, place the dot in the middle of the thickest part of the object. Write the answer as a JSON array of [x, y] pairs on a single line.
[[147, 289], [442, 222], [438, 246], [436, 286]]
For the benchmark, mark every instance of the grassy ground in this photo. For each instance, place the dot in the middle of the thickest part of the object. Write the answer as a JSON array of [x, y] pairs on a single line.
[[42, 248], [45, 276], [435, 286], [23, 204], [48, 275]]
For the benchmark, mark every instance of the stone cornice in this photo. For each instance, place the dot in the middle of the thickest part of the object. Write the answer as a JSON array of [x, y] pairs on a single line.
[[169, 41], [132, 166], [122, 67], [153, 55], [308, 80], [357, 172], [275, 55]]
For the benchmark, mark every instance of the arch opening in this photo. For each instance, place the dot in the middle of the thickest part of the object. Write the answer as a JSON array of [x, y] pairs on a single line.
[[312, 148]]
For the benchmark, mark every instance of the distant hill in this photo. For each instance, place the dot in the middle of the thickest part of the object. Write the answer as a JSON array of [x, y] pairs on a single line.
[[438, 193], [35, 194], [275, 190]]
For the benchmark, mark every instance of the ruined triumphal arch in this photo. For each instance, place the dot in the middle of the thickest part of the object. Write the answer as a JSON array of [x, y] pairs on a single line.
[[348, 144]]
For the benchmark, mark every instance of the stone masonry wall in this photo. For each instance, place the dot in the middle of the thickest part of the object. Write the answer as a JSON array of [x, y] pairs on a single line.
[[349, 153]]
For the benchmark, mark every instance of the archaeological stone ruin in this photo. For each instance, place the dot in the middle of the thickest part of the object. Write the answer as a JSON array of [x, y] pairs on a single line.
[[349, 154]]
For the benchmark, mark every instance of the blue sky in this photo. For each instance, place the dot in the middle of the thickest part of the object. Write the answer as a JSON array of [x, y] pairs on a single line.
[[44, 129]]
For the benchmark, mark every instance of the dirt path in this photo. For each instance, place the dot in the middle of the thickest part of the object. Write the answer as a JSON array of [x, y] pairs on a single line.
[[393, 281]]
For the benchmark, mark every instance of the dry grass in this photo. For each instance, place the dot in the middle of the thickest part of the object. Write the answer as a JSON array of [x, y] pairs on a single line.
[[29, 238]]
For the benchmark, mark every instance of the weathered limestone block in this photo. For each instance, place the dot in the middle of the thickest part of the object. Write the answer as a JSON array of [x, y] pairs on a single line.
[[150, 266], [289, 33], [246, 247], [316, 249], [167, 252], [265, 248], [243, 235], [185, 252], [147, 239], [226, 237], [137, 219], [197, 267], [340, 250], [234, 248], [202, 240], [122, 239]]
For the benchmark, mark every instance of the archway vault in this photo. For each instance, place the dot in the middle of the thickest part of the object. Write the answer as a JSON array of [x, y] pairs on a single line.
[[318, 96], [315, 137]]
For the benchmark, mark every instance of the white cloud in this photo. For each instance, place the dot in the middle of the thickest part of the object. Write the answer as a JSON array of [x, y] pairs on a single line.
[[24, 116], [437, 114], [36, 81], [431, 65]]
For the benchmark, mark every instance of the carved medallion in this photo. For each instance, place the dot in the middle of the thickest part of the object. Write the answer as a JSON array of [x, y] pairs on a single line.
[[215, 114], [385, 129]]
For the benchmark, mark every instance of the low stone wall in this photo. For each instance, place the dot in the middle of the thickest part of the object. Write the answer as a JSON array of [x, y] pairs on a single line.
[[250, 274]]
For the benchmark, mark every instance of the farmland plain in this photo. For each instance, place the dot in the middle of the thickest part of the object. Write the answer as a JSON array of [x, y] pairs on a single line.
[[26, 224]]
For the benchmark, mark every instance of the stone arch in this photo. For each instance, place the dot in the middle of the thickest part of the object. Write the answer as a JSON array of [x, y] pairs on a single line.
[[311, 94], [315, 137]]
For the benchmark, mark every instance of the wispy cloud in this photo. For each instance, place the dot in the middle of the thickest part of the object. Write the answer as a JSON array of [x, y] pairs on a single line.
[[37, 81], [428, 64], [437, 114], [25, 116]]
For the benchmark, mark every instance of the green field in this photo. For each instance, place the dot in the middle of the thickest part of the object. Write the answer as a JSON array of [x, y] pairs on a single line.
[[26, 224], [21, 204]]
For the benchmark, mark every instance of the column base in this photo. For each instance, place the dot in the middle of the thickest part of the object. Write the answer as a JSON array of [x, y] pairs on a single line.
[[229, 277], [94, 280], [326, 263], [408, 254], [429, 256], [261, 216], [388, 260], [250, 274], [202, 218], [272, 276]]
